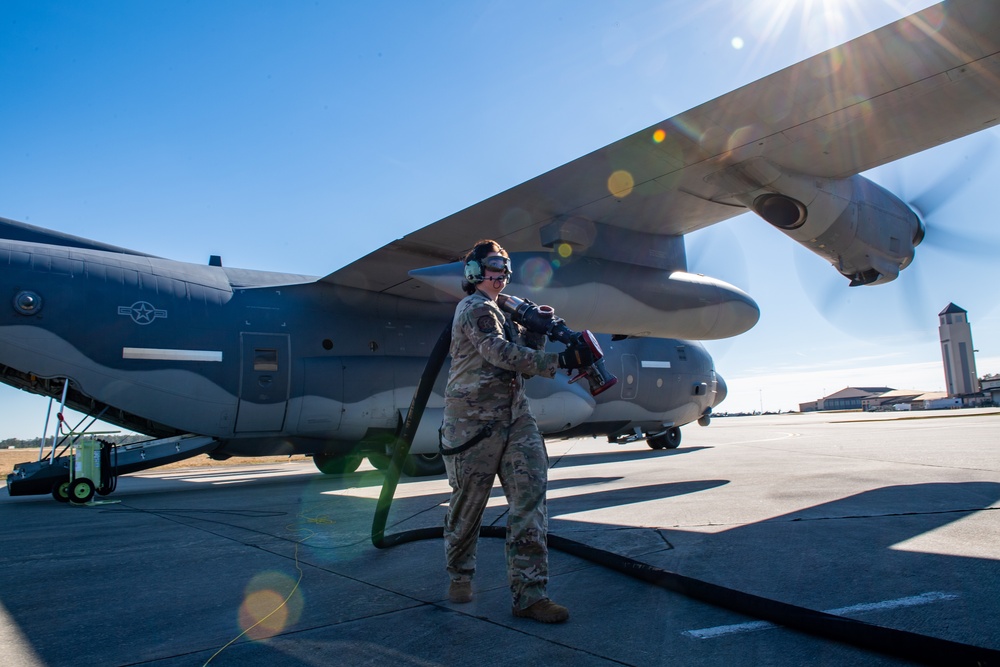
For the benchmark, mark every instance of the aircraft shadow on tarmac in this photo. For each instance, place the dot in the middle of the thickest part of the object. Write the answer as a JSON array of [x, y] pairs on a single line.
[[844, 552], [209, 478], [821, 556], [206, 478], [625, 495], [567, 460]]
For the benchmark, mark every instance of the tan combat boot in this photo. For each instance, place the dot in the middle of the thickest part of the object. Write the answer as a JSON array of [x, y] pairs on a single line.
[[460, 592], [544, 611]]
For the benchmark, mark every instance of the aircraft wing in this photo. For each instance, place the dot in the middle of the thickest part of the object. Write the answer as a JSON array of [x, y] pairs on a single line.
[[924, 80]]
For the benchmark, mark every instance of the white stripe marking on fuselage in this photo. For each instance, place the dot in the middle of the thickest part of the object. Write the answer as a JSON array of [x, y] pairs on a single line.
[[151, 353]]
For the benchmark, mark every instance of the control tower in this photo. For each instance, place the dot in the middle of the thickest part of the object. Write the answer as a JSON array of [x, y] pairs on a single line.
[[957, 351]]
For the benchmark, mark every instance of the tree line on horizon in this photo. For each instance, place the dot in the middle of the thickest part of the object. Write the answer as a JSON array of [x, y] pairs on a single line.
[[17, 443]]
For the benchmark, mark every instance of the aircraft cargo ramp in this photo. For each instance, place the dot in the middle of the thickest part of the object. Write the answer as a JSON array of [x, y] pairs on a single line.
[[40, 477]]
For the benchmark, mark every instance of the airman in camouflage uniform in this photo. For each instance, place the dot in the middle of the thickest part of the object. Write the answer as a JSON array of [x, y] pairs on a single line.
[[489, 430]]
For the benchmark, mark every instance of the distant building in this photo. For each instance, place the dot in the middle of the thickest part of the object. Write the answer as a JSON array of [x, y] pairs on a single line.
[[928, 400], [957, 352], [872, 399], [848, 398], [964, 388], [944, 403], [901, 399], [991, 388]]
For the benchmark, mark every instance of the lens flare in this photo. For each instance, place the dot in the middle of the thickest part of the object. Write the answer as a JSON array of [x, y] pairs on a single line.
[[564, 250], [659, 135], [514, 219], [930, 21], [536, 273], [823, 68], [620, 183], [262, 615], [741, 137], [272, 602]]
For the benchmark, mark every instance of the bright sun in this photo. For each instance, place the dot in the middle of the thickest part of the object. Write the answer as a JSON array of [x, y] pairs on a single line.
[[819, 22]]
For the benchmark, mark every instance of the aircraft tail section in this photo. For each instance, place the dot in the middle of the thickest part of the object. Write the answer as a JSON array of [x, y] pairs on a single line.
[[22, 231]]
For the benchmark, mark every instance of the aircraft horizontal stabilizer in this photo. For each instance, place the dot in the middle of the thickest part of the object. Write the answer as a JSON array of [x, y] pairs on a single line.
[[22, 231]]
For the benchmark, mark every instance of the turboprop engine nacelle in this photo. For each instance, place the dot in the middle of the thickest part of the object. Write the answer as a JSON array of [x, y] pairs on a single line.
[[866, 232]]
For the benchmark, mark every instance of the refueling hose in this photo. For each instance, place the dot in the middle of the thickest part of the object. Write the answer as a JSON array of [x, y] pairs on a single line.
[[899, 643], [109, 479]]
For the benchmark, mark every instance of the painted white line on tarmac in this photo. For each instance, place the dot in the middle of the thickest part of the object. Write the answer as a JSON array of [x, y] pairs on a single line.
[[217, 476], [755, 626]]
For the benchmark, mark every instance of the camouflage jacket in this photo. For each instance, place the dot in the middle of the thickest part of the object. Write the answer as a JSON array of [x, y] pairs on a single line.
[[490, 356]]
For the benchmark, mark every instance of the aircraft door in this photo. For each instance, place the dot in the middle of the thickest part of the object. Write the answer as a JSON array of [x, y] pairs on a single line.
[[263, 382]]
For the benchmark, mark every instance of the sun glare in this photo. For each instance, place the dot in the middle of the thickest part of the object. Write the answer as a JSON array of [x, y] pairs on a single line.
[[816, 22]]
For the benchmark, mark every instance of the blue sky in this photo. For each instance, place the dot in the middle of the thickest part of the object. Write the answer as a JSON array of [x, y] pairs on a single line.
[[299, 136]]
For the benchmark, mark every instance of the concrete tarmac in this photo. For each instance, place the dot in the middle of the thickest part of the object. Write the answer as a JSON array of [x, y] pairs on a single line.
[[889, 518]]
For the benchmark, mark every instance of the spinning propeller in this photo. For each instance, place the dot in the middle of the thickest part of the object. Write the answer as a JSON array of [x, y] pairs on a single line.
[[717, 252], [953, 262]]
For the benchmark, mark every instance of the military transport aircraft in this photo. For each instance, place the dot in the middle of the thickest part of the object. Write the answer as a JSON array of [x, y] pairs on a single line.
[[207, 358]]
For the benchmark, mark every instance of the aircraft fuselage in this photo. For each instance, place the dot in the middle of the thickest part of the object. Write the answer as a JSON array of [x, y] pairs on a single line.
[[276, 363]]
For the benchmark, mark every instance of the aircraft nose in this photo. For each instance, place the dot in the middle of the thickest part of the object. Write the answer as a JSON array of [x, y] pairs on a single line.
[[721, 390]]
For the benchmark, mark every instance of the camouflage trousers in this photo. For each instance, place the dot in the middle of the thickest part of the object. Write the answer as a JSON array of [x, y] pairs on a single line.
[[515, 452]]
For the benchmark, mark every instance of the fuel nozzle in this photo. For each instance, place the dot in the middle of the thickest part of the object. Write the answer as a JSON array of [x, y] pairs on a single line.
[[543, 320], [597, 376]]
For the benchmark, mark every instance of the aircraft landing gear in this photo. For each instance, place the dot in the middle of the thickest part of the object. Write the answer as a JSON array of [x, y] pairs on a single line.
[[415, 465], [423, 465], [669, 439], [332, 464], [379, 461]]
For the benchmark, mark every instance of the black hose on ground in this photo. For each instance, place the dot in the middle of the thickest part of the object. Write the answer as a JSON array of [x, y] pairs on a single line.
[[899, 643], [401, 450]]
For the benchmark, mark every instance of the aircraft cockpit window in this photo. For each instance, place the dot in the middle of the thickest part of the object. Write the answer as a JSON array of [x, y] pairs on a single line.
[[265, 359]]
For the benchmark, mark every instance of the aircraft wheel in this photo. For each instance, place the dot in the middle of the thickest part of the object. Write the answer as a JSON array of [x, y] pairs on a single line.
[[330, 464], [669, 440], [81, 491], [423, 465], [60, 491], [379, 461]]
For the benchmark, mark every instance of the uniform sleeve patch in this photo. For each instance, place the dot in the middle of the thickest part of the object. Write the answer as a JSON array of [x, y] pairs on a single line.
[[486, 324]]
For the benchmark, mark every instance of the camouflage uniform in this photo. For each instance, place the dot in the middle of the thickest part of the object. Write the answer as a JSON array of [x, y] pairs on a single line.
[[486, 387]]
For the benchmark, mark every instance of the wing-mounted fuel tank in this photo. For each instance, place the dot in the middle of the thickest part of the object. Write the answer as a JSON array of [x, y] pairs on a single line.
[[621, 298], [866, 232]]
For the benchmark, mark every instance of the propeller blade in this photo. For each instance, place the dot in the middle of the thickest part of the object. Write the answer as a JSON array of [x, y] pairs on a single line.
[[954, 180], [950, 241], [954, 255], [717, 252], [828, 291]]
